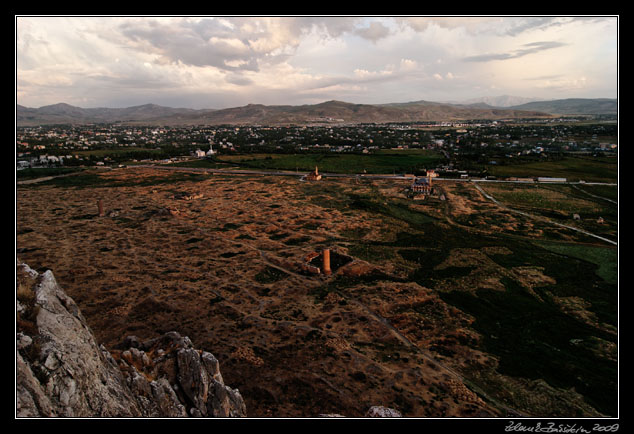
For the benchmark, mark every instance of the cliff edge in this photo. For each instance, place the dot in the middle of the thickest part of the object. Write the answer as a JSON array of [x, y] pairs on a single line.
[[62, 371]]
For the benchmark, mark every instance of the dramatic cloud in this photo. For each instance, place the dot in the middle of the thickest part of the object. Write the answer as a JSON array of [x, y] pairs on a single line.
[[215, 62], [373, 32], [530, 48]]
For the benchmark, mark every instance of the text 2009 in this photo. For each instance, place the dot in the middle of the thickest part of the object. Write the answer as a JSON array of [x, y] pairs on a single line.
[[607, 428]]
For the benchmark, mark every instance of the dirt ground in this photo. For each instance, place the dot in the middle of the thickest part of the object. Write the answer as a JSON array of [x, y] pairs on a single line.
[[217, 258]]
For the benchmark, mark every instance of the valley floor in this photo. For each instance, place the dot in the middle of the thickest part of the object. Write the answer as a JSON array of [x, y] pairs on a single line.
[[449, 308]]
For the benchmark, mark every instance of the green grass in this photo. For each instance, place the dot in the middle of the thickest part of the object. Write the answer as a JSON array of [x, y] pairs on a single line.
[[33, 173], [203, 164], [341, 163], [534, 197], [607, 191], [571, 168], [397, 209], [119, 152], [604, 257], [94, 180], [532, 339]]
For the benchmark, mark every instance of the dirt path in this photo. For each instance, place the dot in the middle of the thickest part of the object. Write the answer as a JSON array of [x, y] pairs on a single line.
[[427, 356], [525, 214], [594, 195]]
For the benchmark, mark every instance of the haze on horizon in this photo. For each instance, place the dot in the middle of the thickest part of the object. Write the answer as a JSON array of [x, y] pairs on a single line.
[[219, 62]]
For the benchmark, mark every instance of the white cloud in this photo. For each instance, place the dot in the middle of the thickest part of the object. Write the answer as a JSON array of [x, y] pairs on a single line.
[[286, 60], [408, 65], [374, 31]]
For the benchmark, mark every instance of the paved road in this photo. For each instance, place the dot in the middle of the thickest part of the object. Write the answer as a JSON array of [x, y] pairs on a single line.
[[347, 175]]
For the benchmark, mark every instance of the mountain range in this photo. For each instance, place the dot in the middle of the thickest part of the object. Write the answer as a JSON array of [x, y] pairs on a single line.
[[326, 112], [497, 101]]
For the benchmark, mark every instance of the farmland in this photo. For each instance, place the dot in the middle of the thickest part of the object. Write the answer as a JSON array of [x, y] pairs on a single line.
[[382, 162]]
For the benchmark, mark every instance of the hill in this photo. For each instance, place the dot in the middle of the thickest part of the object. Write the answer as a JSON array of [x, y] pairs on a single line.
[[573, 106], [67, 114], [326, 112]]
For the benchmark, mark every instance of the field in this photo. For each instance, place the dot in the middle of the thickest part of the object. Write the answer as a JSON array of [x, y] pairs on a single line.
[[447, 308], [573, 168], [406, 161]]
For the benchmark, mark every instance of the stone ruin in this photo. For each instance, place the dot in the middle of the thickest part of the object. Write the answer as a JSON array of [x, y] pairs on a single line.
[[325, 262]]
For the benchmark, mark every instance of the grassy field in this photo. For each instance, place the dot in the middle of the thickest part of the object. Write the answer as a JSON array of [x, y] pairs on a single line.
[[528, 331], [383, 162], [32, 173], [94, 179], [571, 168], [562, 203], [607, 191], [605, 258], [552, 198]]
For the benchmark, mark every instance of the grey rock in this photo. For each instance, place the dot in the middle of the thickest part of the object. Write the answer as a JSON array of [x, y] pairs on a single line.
[[380, 411], [73, 376], [193, 379], [23, 341]]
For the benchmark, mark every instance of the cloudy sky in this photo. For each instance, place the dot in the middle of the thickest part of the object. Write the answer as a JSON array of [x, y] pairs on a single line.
[[218, 62]]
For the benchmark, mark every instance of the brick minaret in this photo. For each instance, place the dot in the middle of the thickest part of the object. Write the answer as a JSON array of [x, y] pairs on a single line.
[[326, 258]]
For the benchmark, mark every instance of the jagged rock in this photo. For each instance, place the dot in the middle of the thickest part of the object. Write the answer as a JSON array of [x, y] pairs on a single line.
[[72, 376], [380, 411], [23, 341], [166, 399], [62, 371]]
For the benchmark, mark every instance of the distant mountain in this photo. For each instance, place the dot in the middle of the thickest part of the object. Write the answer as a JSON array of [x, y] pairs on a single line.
[[64, 113], [497, 101], [258, 114], [573, 106]]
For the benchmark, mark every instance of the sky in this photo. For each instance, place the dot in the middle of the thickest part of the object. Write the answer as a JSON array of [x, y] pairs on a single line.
[[228, 61]]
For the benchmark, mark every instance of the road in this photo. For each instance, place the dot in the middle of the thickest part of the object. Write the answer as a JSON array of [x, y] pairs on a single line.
[[302, 175], [348, 175], [491, 198]]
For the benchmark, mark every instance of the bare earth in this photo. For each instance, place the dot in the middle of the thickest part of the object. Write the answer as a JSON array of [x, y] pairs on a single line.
[[218, 259]]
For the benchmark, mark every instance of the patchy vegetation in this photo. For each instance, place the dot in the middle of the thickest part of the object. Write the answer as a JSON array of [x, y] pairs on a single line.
[[513, 305]]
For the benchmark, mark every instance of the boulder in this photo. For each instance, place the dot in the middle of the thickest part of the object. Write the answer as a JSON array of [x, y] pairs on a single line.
[[380, 411]]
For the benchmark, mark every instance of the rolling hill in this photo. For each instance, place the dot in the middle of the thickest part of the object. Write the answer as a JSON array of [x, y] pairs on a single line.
[[326, 112], [573, 106]]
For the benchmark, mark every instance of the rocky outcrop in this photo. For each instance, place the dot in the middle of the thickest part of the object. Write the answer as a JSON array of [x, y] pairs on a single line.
[[62, 371], [380, 411], [374, 411]]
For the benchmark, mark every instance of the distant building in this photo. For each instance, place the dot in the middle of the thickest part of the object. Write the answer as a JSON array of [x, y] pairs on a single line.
[[548, 179], [424, 185], [421, 186], [314, 176]]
